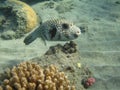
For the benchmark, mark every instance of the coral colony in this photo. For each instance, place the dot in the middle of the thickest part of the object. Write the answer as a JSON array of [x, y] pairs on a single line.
[[30, 76], [88, 82]]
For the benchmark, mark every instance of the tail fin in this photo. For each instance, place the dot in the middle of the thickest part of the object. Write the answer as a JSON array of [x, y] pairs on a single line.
[[31, 37]]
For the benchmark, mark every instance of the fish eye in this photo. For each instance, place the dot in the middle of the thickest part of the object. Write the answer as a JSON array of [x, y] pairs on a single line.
[[65, 26]]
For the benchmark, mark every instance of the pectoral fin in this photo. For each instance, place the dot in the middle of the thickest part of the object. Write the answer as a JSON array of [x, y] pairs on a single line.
[[31, 37], [43, 39]]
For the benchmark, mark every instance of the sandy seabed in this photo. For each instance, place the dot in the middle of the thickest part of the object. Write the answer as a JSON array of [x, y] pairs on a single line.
[[99, 45]]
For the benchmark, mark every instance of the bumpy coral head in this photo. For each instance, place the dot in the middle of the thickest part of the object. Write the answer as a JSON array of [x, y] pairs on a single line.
[[70, 31]]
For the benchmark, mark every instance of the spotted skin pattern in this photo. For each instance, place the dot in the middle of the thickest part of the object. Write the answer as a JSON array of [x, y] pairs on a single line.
[[54, 30]]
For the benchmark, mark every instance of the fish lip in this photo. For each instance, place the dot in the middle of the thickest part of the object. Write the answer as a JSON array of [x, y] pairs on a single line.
[[75, 35]]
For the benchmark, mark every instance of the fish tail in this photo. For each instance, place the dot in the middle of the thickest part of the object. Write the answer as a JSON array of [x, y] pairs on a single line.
[[31, 37]]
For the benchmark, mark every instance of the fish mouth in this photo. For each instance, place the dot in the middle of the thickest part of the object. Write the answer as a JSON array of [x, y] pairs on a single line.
[[75, 35]]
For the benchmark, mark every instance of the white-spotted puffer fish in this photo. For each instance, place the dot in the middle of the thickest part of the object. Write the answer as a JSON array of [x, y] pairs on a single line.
[[54, 30]]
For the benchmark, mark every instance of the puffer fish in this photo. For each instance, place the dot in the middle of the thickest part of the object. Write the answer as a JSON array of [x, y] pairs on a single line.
[[54, 30]]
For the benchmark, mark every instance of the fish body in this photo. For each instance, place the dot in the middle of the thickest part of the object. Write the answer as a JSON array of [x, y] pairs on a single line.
[[54, 30]]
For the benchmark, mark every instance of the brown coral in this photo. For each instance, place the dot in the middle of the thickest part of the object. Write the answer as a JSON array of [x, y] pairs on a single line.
[[30, 76], [31, 17], [19, 19]]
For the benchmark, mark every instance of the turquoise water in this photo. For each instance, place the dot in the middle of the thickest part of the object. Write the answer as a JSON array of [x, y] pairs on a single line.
[[99, 45]]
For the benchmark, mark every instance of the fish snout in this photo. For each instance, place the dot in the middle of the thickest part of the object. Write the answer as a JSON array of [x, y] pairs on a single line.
[[77, 33]]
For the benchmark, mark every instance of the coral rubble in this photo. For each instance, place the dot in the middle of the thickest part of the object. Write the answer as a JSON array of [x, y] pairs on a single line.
[[64, 6], [67, 48], [67, 58], [30, 76]]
